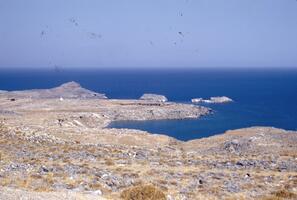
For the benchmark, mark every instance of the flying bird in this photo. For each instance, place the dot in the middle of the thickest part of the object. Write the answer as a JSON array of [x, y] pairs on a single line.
[[42, 33], [73, 21], [95, 35], [151, 43], [181, 33]]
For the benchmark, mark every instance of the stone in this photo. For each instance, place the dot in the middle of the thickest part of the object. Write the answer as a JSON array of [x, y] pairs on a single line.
[[97, 192], [232, 187], [236, 146]]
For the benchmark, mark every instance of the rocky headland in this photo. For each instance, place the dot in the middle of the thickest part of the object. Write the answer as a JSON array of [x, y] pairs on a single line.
[[70, 90], [53, 148]]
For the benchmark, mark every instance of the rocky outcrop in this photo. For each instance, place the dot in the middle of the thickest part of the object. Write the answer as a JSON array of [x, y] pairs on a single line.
[[70, 90], [154, 97], [198, 100], [222, 99]]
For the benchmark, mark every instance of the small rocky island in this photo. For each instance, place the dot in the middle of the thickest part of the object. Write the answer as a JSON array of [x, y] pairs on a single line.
[[62, 149], [222, 99], [154, 97]]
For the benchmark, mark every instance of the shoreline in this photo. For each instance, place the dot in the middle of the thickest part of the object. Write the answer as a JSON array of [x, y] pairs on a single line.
[[52, 146]]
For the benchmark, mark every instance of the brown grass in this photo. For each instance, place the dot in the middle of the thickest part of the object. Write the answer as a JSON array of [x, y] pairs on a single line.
[[109, 162], [280, 195], [95, 186], [49, 178], [289, 153], [5, 181], [285, 194], [145, 192], [23, 183]]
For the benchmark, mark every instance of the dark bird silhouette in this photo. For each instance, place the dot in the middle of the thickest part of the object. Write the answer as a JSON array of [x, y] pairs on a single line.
[[42, 33], [95, 35], [181, 33], [73, 21]]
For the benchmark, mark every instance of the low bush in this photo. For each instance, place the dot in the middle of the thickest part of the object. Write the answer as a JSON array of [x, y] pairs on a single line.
[[144, 192]]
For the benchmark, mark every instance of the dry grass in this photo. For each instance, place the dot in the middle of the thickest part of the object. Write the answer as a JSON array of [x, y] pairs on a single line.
[[5, 182], [285, 194], [235, 198], [49, 178], [146, 192], [109, 162], [23, 183], [95, 186], [288, 153], [280, 195]]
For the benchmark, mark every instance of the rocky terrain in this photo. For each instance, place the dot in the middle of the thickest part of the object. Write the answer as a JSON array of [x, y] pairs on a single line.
[[62, 149]]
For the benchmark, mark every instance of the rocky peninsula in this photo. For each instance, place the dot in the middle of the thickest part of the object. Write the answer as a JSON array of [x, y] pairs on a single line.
[[70, 90], [55, 144]]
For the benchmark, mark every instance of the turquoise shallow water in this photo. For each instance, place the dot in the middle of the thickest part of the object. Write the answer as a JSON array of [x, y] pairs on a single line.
[[262, 97]]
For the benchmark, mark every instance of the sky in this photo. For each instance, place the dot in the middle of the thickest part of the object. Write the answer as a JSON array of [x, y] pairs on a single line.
[[148, 33]]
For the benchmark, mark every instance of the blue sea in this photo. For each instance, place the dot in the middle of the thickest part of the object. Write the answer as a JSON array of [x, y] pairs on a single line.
[[262, 97]]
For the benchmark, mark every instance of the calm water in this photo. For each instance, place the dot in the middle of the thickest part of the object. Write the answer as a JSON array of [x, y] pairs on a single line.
[[262, 97]]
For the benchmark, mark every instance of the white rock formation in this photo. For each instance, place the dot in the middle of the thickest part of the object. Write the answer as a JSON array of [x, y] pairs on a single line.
[[222, 99], [198, 100]]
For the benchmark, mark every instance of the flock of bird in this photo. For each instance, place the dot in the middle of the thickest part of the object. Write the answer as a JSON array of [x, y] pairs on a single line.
[[93, 35]]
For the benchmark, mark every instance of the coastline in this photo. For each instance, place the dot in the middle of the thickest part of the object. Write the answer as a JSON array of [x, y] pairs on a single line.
[[52, 146]]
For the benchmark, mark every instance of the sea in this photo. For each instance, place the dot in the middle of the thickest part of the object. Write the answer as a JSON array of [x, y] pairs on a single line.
[[262, 96]]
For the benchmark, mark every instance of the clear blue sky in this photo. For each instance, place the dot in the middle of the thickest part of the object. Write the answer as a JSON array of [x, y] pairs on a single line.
[[148, 33]]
